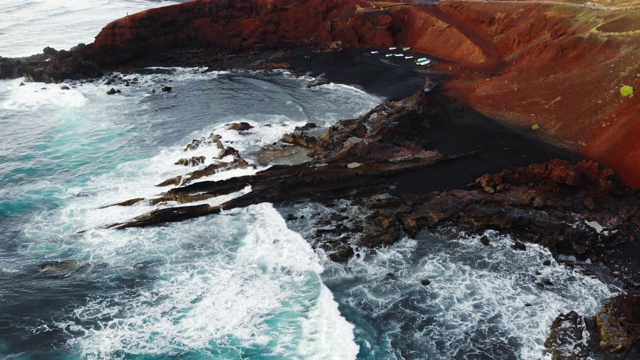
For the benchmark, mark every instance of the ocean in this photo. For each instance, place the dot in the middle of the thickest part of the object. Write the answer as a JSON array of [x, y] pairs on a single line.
[[244, 284]]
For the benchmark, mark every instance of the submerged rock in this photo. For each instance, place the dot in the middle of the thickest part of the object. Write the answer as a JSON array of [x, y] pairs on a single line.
[[61, 268], [53, 266]]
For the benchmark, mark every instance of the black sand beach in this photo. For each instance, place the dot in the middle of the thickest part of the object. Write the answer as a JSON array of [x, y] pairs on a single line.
[[483, 145]]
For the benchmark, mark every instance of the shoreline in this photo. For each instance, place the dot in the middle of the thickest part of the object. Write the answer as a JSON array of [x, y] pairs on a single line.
[[474, 145], [425, 160]]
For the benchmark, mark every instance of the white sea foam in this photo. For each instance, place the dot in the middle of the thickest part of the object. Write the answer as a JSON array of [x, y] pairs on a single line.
[[31, 96], [227, 284], [324, 330], [257, 286], [493, 297]]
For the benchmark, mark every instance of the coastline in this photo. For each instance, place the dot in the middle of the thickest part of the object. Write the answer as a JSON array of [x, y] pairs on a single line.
[[455, 168]]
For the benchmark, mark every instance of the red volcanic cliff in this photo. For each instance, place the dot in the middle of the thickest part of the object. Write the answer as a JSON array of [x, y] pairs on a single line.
[[524, 63], [563, 67]]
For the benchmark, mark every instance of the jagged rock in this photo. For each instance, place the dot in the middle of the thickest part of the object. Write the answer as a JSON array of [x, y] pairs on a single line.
[[166, 88], [382, 229], [49, 50], [619, 323], [425, 282], [112, 91], [216, 139], [307, 126], [282, 155], [484, 240], [237, 163], [320, 80], [567, 338], [193, 145], [519, 246], [124, 203], [241, 126], [342, 255], [193, 161], [229, 151]]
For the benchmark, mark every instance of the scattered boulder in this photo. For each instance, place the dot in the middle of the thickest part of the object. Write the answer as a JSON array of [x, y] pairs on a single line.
[[484, 240], [215, 138], [390, 277], [291, 217], [425, 282], [113, 91], [193, 161], [306, 127], [241, 126], [166, 88], [64, 87], [342, 254], [320, 80], [519, 246], [194, 144]]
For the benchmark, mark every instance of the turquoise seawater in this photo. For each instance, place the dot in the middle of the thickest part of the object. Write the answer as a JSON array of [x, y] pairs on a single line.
[[218, 287], [244, 284]]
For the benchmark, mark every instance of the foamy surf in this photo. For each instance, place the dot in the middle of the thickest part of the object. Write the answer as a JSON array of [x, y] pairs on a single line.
[[252, 285], [225, 286], [481, 302]]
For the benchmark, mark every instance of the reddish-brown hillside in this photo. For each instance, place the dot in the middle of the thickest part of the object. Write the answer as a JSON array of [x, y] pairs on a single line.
[[521, 62]]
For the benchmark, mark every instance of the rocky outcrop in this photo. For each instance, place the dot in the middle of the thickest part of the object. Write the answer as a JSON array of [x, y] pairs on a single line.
[[569, 338], [575, 209], [619, 323], [613, 332]]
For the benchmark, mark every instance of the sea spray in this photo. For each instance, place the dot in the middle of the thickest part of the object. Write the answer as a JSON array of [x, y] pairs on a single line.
[[77, 154], [432, 298], [241, 281]]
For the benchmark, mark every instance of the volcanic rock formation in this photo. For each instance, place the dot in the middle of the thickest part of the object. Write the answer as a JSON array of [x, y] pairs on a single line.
[[558, 66]]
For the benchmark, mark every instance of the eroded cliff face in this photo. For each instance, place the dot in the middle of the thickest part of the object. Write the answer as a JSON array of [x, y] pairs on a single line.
[[236, 27], [563, 67], [556, 65]]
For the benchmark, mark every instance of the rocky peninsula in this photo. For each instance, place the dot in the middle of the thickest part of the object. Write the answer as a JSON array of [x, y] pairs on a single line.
[[507, 130]]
